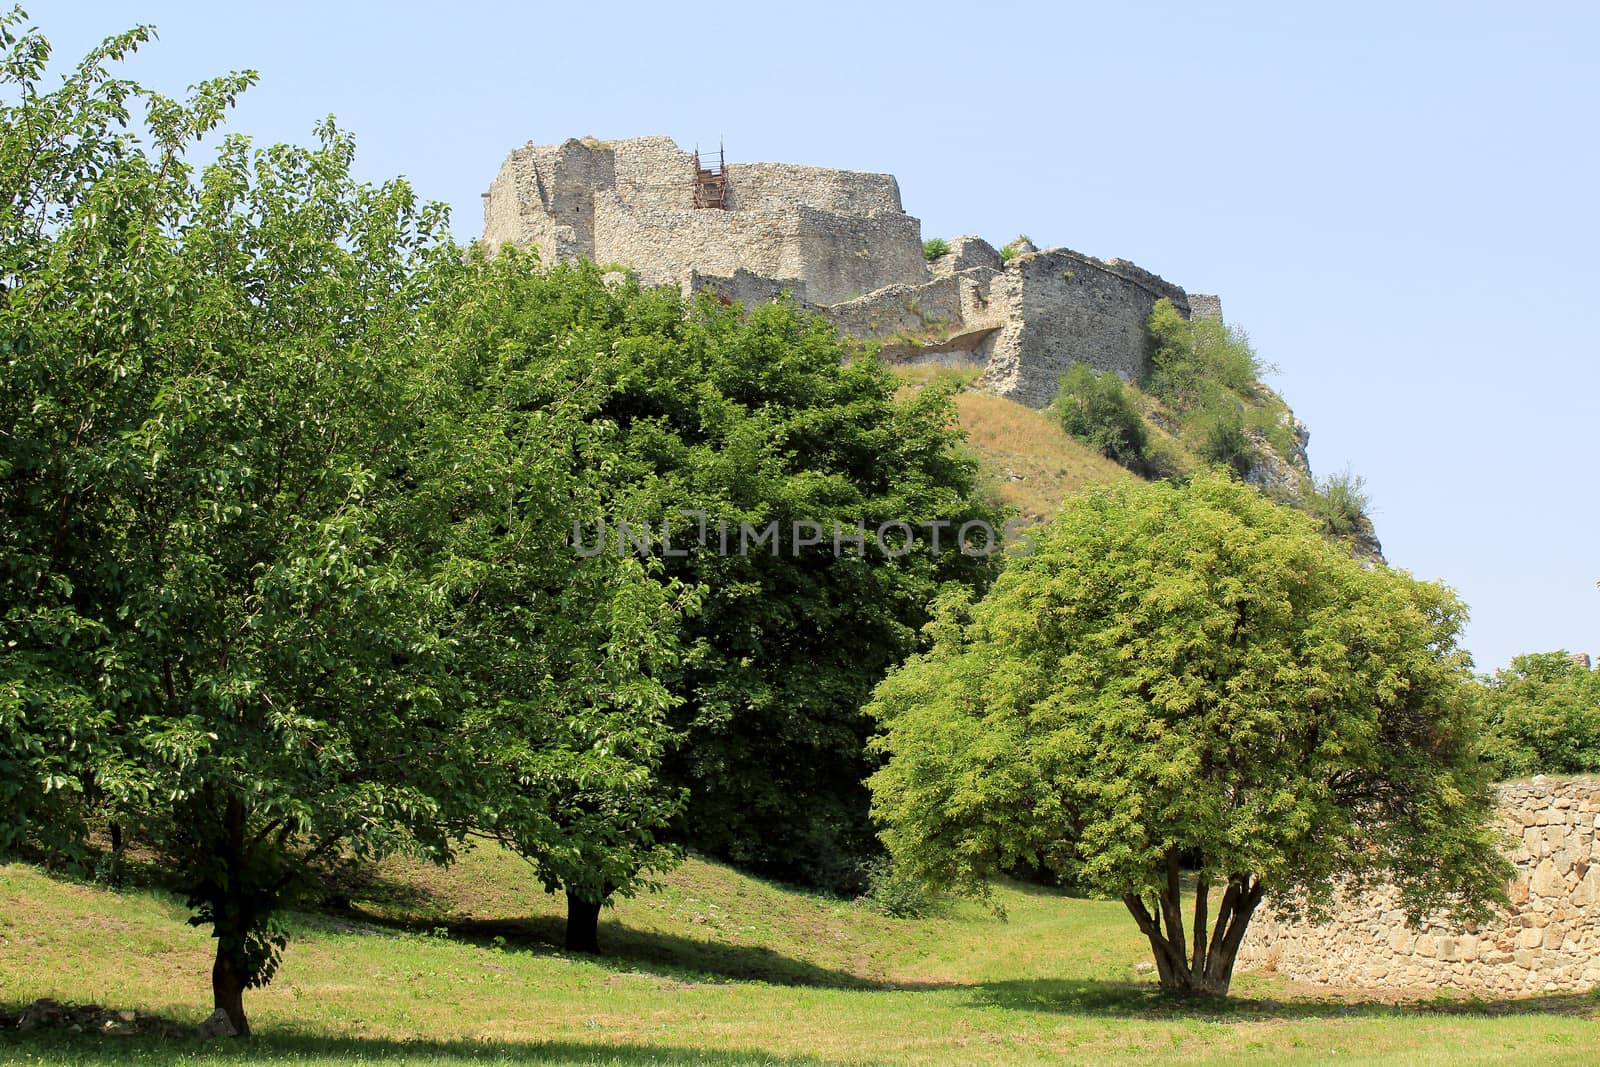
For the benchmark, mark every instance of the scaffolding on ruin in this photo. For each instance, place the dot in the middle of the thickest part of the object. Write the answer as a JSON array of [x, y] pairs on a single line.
[[711, 180]]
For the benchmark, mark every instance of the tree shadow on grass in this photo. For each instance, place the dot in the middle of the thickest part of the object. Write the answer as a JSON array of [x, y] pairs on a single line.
[[624, 948], [1090, 997], [276, 1046]]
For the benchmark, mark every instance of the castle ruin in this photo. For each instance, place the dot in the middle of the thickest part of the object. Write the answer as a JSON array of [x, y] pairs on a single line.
[[837, 241]]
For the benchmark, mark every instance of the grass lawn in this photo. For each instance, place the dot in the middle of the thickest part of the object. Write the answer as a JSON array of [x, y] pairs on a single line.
[[447, 967]]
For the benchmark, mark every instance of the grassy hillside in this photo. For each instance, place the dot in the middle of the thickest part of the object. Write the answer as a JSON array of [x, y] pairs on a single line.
[[1030, 462], [458, 966]]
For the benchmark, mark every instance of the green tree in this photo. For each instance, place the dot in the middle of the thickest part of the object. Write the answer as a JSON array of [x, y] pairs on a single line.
[[1542, 716], [224, 600], [753, 419], [1095, 409], [57, 706], [1192, 674], [568, 651]]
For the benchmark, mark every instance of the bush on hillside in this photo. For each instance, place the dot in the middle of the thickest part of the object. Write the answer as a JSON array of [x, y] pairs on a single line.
[[1339, 503], [1218, 436], [1096, 409], [1192, 361], [1272, 421], [892, 894]]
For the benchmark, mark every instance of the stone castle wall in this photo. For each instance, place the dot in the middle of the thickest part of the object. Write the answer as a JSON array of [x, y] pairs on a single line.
[[838, 234], [840, 242], [1547, 940], [1075, 309], [1026, 322]]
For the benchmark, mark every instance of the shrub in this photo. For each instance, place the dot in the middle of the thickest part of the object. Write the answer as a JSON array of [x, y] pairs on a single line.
[[935, 247], [1192, 361], [1218, 436], [1339, 503], [1272, 421], [1013, 249], [1226, 356], [894, 895], [1095, 409], [1164, 458]]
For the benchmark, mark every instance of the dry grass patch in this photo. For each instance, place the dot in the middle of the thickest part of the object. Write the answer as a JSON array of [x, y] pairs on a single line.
[[1034, 464]]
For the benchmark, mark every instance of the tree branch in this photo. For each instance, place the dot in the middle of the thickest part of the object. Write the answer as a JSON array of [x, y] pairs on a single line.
[[1172, 907]]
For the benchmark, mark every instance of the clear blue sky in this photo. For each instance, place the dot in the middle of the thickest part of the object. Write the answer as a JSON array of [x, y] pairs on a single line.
[[1397, 201]]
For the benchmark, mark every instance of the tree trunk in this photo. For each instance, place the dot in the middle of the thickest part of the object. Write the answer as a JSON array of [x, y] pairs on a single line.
[[231, 921], [228, 979], [583, 924], [1207, 967], [114, 874]]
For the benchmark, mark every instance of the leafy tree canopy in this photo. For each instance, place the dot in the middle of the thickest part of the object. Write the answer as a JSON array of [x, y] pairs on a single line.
[[1191, 676], [753, 417], [285, 575], [1542, 716], [567, 651]]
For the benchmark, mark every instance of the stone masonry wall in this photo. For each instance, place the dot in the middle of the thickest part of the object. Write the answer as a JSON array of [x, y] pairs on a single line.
[[1547, 940], [841, 233], [1025, 322], [840, 242], [1074, 309], [1205, 306]]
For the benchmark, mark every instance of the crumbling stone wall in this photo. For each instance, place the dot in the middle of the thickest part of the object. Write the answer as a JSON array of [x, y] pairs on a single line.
[[1025, 322], [841, 233], [965, 253], [1205, 306], [1074, 308], [955, 316], [838, 241], [1547, 940], [746, 288]]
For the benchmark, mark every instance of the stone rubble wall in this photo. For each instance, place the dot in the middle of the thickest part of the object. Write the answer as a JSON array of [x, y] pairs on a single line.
[[953, 318], [767, 186], [745, 288], [1025, 323], [1075, 309], [632, 202], [966, 253], [899, 309], [1205, 306], [1547, 940]]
